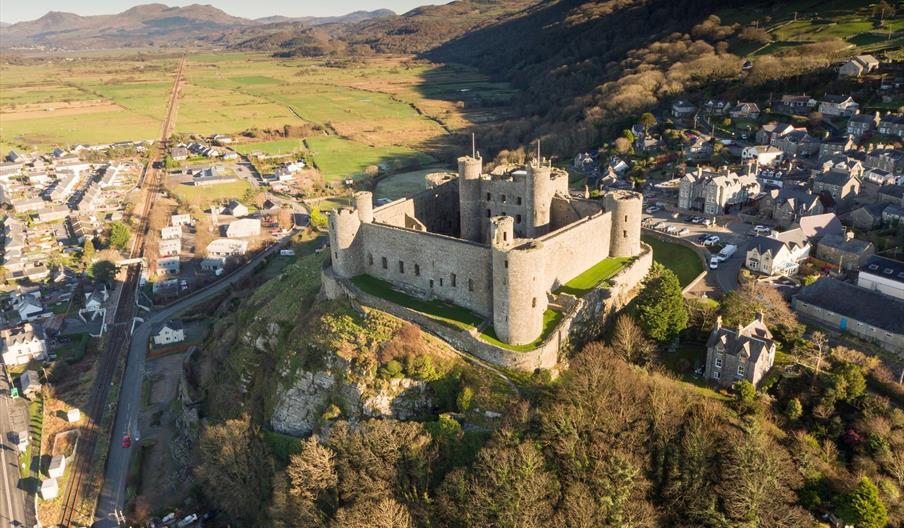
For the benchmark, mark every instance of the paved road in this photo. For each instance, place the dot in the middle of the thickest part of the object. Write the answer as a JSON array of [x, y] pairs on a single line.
[[117, 469], [12, 498]]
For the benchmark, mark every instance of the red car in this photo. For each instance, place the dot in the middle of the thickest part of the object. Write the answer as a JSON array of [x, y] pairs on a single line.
[[126, 442]]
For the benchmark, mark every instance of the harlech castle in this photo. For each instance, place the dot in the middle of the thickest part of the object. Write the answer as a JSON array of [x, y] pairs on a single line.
[[498, 245]]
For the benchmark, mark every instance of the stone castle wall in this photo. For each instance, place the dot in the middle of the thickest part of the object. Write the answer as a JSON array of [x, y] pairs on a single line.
[[575, 248]]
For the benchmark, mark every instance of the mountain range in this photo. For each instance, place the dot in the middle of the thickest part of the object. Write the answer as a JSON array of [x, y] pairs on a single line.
[[155, 25]]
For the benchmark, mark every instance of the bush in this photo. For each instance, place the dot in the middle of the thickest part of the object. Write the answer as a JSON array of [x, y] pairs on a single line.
[[392, 370], [465, 399]]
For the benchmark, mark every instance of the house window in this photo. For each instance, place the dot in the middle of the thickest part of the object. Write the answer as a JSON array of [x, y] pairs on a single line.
[[384, 262], [417, 270], [518, 200], [716, 374], [718, 362], [370, 259], [470, 285], [401, 267], [740, 370], [518, 219], [454, 280]]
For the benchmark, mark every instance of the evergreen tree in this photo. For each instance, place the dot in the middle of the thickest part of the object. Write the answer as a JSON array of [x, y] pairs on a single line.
[[862, 507], [660, 304], [88, 252], [119, 235]]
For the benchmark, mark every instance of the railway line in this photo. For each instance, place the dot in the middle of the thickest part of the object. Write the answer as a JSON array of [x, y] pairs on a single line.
[[118, 339]]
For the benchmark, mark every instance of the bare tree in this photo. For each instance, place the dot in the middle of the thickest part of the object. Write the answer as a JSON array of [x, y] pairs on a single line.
[[629, 341]]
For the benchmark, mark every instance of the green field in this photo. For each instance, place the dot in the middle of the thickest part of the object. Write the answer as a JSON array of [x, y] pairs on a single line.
[[210, 193], [339, 158], [279, 146], [593, 277], [681, 259]]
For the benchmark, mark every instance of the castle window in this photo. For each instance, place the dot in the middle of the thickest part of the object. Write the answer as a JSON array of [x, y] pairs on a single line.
[[506, 264], [533, 302], [503, 198], [440, 282], [489, 214], [518, 219], [384, 262], [471, 285], [625, 233], [518, 200], [417, 270], [401, 267], [505, 236], [454, 280], [489, 197], [626, 218], [431, 284], [370, 259]]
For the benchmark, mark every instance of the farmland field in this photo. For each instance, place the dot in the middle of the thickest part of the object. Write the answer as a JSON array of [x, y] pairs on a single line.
[[339, 158], [279, 146], [205, 195]]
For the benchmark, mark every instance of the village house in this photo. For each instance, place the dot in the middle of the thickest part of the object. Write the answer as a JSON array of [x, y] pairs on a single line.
[[30, 383], [28, 306], [95, 302], [867, 217], [177, 220], [179, 154], [845, 251], [832, 148], [683, 109], [861, 124], [815, 227], [886, 159], [170, 232], [170, 247], [168, 333], [235, 208], [767, 132], [23, 343], [893, 194], [787, 205], [891, 125], [797, 104], [797, 143], [857, 66], [224, 247], [749, 111], [716, 107], [838, 184], [168, 266], [246, 227], [883, 275], [879, 177], [743, 353], [714, 192], [893, 215], [838, 106], [764, 155], [861, 312], [778, 254]]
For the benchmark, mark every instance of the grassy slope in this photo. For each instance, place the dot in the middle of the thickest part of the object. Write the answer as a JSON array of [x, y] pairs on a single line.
[[680, 259]]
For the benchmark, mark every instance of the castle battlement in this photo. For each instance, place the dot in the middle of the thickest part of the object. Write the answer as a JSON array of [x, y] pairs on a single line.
[[497, 244]]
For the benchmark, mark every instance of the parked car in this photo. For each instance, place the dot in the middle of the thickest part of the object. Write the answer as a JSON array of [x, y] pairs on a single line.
[[712, 241], [702, 238], [761, 230], [652, 209], [708, 222]]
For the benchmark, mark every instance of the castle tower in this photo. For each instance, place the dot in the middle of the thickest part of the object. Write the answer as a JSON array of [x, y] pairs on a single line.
[[627, 211], [470, 205], [539, 198], [345, 245], [364, 204], [518, 297]]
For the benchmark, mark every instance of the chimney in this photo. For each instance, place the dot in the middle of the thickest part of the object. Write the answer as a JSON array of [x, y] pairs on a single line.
[[586, 192], [699, 170], [848, 235], [718, 322], [759, 317]]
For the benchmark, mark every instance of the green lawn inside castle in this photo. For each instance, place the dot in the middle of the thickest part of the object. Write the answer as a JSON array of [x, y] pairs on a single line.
[[512, 258]]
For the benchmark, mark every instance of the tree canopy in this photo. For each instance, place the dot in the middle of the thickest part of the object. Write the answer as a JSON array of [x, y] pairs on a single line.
[[660, 304]]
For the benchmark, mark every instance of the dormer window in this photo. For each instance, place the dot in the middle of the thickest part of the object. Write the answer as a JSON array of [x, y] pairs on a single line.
[[740, 370]]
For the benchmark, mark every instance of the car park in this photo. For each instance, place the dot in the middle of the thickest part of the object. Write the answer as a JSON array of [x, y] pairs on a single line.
[[683, 231], [712, 241]]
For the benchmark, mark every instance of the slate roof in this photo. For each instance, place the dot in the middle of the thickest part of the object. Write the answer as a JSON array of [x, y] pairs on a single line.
[[752, 340], [855, 245], [766, 244], [834, 177], [820, 225], [856, 303], [884, 267]]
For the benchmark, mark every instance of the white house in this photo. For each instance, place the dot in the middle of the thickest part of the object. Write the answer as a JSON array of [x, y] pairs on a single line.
[[49, 489], [235, 208], [170, 247], [168, 266], [29, 307], [73, 415], [22, 344], [779, 254], [95, 303], [57, 467], [180, 220], [246, 227], [168, 333], [883, 275], [764, 155], [171, 232], [224, 247]]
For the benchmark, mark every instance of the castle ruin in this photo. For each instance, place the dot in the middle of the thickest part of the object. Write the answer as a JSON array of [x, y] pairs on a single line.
[[498, 245]]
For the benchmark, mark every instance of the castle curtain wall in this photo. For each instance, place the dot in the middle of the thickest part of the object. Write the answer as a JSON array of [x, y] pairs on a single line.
[[574, 249]]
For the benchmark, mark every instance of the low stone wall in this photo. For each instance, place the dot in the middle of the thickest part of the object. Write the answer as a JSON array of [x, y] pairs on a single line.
[[702, 253], [577, 323]]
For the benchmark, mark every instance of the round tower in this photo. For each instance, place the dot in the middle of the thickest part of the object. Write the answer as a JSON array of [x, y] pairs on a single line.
[[469, 203], [539, 198], [519, 300], [345, 246], [627, 211], [364, 204]]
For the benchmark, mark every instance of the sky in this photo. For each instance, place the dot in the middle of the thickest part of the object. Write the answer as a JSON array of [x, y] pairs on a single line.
[[12, 11]]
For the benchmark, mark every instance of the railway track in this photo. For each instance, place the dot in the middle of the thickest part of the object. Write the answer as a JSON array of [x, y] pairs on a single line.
[[118, 338]]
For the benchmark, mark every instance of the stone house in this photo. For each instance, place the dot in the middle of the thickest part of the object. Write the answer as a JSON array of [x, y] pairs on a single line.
[[838, 184], [797, 143], [857, 66], [891, 125], [886, 159], [838, 106], [742, 353], [893, 215], [893, 194], [767, 132], [716, 107], [797, 104], [831, 148], [867, 217], [683, 109], [713, 192], [861, 124], [879, 177], [845, 307], [779, 254], [844, 250], [23, 343], [787, 205], [764, 155]]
